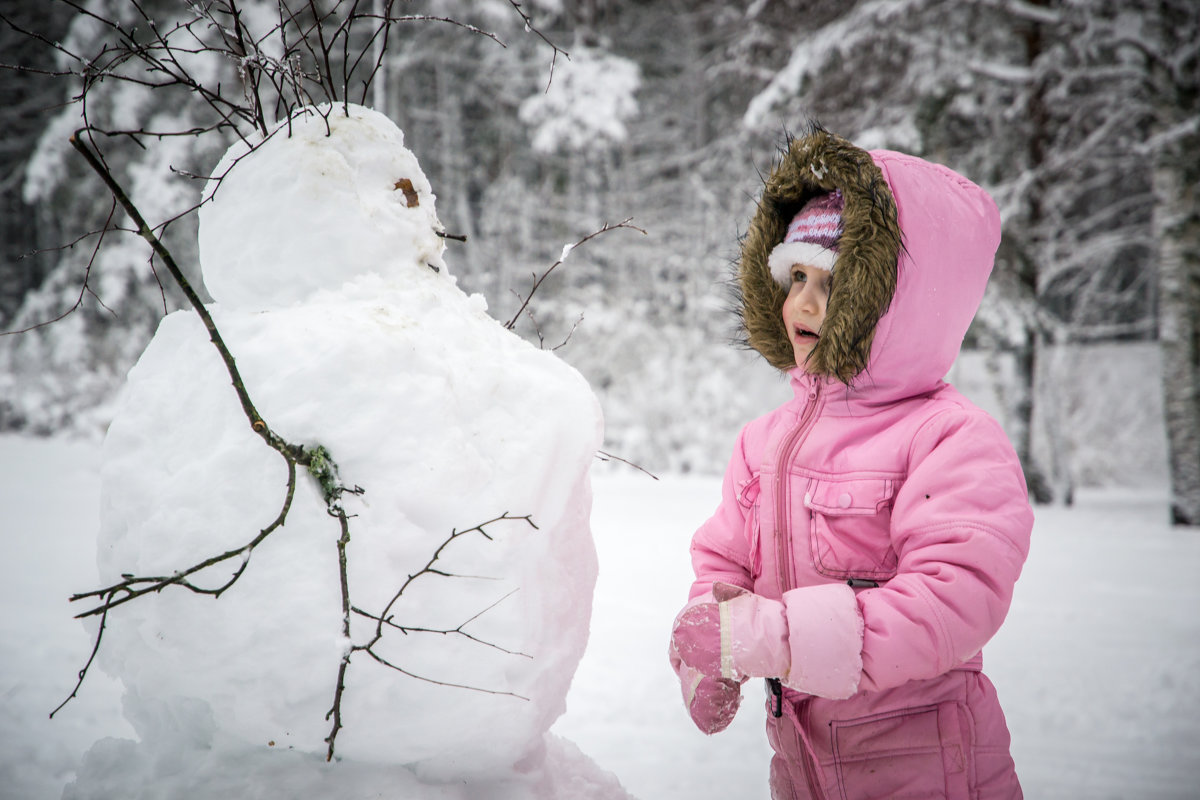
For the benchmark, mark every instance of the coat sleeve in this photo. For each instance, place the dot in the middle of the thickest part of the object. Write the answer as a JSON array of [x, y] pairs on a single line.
[[721, 546], [960, 526]]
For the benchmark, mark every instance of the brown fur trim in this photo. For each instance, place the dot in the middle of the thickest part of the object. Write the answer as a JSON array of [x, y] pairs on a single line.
[[865, 272]]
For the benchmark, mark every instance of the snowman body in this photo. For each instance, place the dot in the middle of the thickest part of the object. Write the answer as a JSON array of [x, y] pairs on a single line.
[[322, 252]]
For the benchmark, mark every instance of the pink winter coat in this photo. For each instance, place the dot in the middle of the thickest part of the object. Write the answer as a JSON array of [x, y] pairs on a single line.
[[889, 514]]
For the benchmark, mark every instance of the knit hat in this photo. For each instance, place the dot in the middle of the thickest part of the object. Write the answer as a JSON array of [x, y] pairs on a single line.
[[811, 238]]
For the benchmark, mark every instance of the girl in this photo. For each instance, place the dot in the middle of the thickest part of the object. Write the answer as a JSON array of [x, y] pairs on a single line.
[[870, 530]]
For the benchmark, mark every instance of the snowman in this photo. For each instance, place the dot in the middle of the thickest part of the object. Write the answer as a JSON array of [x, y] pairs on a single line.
[[322, 251]]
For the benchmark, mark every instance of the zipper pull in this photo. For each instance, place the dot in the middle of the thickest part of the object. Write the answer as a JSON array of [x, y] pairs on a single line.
[[860, 583], [776, 689]]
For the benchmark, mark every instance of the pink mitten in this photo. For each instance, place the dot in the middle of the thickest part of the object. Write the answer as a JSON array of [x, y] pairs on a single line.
[[733, 634], [711, 702]]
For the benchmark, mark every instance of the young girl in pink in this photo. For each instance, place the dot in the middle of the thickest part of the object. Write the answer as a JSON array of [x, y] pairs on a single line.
[[871, 529]]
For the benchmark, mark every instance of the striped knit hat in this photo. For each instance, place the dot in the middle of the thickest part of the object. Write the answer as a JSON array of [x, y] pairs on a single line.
[[811, 238]]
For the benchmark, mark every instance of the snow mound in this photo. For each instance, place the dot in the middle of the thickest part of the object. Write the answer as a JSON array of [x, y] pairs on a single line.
[[220, 770]]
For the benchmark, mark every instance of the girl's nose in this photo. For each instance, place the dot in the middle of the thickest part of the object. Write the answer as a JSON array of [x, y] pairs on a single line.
[[806, 298]]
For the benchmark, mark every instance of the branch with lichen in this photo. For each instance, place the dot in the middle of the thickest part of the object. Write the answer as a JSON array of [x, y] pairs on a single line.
[[317, 460]]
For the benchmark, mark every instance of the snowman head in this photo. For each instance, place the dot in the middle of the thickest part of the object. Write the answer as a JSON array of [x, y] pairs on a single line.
[[330, 195]]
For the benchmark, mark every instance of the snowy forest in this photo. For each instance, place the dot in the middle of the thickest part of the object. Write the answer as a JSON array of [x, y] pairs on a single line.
[[539, 123]]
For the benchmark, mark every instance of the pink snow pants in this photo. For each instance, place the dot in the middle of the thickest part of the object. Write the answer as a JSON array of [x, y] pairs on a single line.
[[926, 740]]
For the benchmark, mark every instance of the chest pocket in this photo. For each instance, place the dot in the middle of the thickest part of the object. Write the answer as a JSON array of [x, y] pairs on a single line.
[[850, 527], [747, 497]]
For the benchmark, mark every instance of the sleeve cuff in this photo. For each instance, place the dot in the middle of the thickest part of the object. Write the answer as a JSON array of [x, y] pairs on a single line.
[[825, 635]]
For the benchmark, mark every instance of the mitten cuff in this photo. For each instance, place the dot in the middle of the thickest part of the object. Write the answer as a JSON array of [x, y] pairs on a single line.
[[754, 637]]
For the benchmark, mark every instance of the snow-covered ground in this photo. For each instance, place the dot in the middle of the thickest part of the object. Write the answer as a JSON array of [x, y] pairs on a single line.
[[1098, 665]]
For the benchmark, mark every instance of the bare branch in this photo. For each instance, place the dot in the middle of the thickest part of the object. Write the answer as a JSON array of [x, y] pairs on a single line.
[[531, 28], [565, 252], [147, 584], [603, 456], [566, 339], [449, 21], [436, 682], [83, 672], [384, 619], [336, 710], [144, 230], [251, 78], [457, 631], [49, 43], [85, 288], [428, 568]]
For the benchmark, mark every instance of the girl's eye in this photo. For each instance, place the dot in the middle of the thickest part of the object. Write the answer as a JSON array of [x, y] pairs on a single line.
[[798, 276]]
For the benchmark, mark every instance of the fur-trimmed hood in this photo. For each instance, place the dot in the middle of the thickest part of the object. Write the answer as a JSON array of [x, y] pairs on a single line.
[[916, 251]]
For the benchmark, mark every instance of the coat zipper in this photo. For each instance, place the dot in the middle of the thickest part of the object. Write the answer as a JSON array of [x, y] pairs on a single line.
[[810, 760], [783, 537], [783, 555]]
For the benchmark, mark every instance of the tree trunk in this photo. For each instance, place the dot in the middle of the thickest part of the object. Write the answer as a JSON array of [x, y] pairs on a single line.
[[1030, 260], [1053, 412], [1177, 230], [1026, 356]]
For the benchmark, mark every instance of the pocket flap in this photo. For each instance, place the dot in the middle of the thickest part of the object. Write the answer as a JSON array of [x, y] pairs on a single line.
[[748, 491], [849, 497]]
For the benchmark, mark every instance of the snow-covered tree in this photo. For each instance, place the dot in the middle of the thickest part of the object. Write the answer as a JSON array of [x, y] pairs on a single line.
[[27, 94], [94, 310], [1162, 48], [1061, 108]]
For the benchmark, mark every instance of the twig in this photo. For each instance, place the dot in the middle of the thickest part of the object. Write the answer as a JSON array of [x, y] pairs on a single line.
[[83, 672], [603, 456], [164, 255], [384, 619], [565, 252], [407, 629], [157, 584], [531, 28], [336, 710], [436, 682], [85, 288], [428, 568], [566, 339]]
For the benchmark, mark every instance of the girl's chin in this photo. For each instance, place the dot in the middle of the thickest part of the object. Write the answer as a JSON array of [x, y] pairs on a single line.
[[802, 349]]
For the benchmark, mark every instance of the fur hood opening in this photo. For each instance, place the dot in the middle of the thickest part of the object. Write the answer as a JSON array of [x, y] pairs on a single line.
[[866, 262], [917, 247]]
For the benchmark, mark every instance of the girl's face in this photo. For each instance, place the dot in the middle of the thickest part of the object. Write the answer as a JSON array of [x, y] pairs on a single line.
[[804, 308]]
